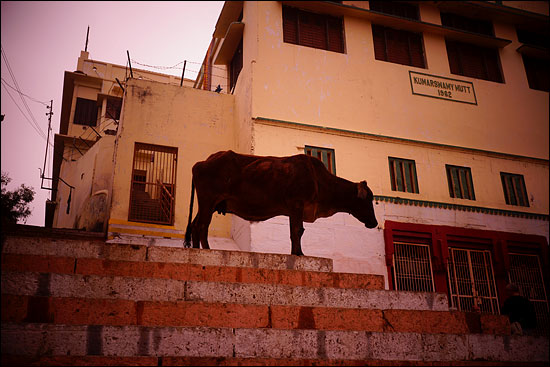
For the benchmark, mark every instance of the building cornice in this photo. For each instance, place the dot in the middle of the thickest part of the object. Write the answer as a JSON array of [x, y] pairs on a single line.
[[460, 207], [397, 140]]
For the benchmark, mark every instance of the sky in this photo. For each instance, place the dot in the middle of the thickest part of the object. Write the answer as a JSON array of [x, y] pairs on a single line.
[[41, 40]]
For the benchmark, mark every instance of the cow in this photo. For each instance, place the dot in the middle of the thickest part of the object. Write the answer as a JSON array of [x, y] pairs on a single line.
[[257, 188]]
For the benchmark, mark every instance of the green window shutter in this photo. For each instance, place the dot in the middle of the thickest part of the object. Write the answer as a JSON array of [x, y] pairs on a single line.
[[403, 175], [325, 155], [460, 182], [513, 186]]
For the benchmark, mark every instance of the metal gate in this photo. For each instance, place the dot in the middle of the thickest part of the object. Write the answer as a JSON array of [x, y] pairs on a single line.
[[471, 281], [412, 267], [526, 273], [153, 184]]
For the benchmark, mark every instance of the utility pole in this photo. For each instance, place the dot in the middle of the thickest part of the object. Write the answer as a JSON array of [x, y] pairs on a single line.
[[49, 114]]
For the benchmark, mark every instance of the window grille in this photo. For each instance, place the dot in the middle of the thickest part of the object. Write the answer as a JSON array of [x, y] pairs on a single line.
[[460, 182], [403, 175], [85, 112], [236, 66], [309, 29], [526, 273], [153, 184], [514, 189], [474, 61], [412, 267], [398, 46], [471, 281], [325, 155]]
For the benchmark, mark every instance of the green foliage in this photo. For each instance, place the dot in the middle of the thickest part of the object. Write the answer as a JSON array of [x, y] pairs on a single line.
[[15, 204]]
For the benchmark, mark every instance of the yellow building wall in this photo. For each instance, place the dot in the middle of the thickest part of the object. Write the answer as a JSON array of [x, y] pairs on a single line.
[[195, 121], [353, 91]]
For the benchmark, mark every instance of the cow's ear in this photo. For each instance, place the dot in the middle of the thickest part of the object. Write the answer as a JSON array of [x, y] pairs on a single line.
[[362, 190]]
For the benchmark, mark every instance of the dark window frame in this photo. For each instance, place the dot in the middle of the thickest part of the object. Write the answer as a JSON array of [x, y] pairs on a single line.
[[537, 73], [400, 9], [113, 108], [403, 175], [85, 112], [235, 66], [303, 28], [460, 182], [513, 187]]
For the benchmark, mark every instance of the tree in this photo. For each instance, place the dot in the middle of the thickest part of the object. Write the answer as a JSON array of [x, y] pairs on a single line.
[[15, 204]]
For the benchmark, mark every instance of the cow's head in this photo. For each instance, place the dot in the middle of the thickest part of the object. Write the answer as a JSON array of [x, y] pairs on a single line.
[[364, 210]]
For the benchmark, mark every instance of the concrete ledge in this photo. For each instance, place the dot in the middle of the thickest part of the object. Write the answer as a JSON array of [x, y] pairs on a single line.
[[127, 341], [182, 271], [155, 289], [96, 248]]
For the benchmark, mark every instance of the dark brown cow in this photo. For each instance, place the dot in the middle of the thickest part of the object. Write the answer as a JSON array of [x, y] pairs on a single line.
[[258, 188]]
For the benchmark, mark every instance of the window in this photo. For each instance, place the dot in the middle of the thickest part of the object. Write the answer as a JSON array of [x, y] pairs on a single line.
[[404, 10], [479, 26], [85, 112], [403, 175], [526, 273], [321, 31], [153, 184], [412, 267], [397, 46], [113, 108], [471, 281], [514, 189], [325, 155], [538, 74], [474, 61], [460, 182], [236, 66]]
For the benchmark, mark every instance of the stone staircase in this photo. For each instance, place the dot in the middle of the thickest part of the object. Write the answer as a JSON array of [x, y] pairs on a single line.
[[69, 298]]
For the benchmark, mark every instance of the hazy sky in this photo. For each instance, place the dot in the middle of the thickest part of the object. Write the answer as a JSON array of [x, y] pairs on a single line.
[[42, 40]]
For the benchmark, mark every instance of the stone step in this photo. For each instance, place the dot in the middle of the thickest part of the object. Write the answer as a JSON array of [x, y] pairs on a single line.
[[97, 248], [63, 360], [129, 341], [171, 290], [187, 271], [85, 311]]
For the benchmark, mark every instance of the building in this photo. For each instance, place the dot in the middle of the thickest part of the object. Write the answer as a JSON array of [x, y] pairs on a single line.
[[441, 106]]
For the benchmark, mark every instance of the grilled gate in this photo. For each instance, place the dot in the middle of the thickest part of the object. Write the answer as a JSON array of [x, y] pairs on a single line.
[[526, 273], [471, 281], [153, 184], [412, 267]]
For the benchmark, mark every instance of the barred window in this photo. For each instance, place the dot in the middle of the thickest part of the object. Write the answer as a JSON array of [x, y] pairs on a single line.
[[309, 29], [325, 155], [412, 267], [403, 175], [460, 182], [514, 189], [153, 184], [85, 112]]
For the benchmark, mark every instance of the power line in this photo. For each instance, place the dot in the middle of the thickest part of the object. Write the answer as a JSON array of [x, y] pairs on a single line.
[[19, 91], [31, 98]]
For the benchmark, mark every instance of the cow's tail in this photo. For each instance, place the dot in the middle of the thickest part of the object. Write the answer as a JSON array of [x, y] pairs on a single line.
[[187, 242]]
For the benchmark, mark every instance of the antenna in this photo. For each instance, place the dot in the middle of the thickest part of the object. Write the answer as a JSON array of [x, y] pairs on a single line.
[[87, 33]]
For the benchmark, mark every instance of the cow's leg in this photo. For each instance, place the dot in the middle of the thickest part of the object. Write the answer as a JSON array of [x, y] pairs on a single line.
[[195, 233], [203, 220], [296, 232]]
